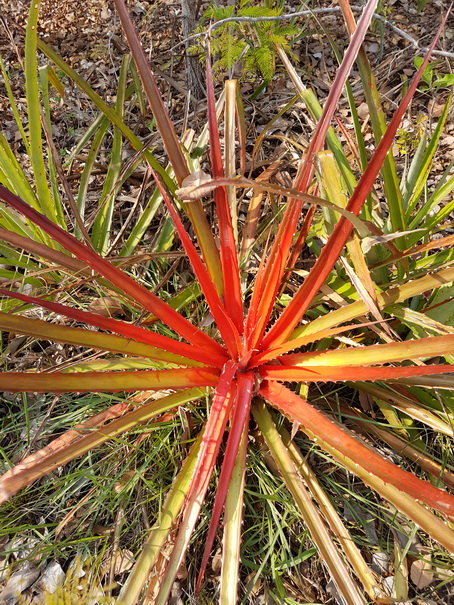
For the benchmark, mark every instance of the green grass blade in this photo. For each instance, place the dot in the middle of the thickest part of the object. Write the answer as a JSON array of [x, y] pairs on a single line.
[[377, 117], [12, 175], [106, 110], [312, 518], [47, 125], [421, 171], [173, 504], [87, 135], [137, 88], [101, 230], [102, 126], [13, 106], [420, 221], [24, 474], [46, 204]]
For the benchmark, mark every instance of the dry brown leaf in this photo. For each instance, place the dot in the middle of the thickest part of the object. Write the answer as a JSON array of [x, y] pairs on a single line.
[[124, 560], [106, 306], [421, 572], [195, 180], [216, 562], [363, 111]]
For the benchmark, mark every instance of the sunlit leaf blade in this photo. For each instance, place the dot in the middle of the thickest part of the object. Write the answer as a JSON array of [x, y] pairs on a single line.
[[309, 512], [343, 373], [335, 92], [134, 334], [149, 300], [407, 404], [223, 320], [227, 241], [240, 420], [430, 216], [37, 328], [279, 253], [406, 449], [115, 364], [423, 518], [173, 504], [29, 470], [330, 252], [422, 348], [12, 175], [391, 296], [326, 431], [327, 509], [232, 96], [110, 382], [233, 523], [264, 356], [223, 401]]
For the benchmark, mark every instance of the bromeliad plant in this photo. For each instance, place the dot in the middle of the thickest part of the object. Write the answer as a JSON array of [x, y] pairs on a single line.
[[251, 360]]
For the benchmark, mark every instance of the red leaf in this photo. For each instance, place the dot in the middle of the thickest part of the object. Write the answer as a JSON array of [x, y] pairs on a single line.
[[108, 382], [206, 459], [240, 419], [128, 285], [330, 433], [229, 256], [279, 253], [120, 327], [342, 373], [223, 321], [330, 252]]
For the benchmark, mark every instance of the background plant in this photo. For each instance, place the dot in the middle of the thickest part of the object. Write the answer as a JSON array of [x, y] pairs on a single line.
[[249, 46], [256, 323]]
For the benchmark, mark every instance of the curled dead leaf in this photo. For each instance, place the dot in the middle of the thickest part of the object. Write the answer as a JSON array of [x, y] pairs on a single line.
[[193, 186], [368, 242], [421, 572], [106, 306]]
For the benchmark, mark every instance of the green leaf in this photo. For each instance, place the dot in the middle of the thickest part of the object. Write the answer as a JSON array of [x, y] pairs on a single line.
[[444, 82], [427, 75]]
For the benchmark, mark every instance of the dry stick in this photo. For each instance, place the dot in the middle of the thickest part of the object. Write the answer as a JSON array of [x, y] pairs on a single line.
[[320, 11]]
